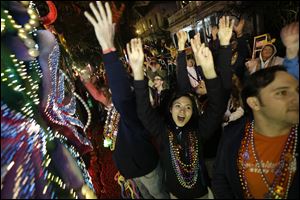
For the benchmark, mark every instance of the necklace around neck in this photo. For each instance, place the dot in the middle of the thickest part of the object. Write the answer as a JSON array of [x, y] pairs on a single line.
[[186, 173], [286, 167]]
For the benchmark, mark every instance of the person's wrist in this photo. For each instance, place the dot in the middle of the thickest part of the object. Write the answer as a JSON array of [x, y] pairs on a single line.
[[240, 34], [224, 43], [180, 47], [209, 73], [108, 50], [292, 52], [138, 75]]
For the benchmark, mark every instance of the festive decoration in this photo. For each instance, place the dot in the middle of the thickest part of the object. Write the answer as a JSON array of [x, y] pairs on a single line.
[[22, 152], [24, 31], [30, 157], [51, 16], [60, 113]]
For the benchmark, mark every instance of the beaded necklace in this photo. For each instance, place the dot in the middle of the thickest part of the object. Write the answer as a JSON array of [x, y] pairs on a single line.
[[285, 169], [187, 174], [111, 128]]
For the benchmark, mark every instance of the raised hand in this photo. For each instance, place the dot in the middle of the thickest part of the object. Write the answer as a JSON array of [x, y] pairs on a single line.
[[252, 65], [214, 32], [103, 25], [136, 58], [239, 28], [203, 57], [290, 38], [182, 38], [225, 30]]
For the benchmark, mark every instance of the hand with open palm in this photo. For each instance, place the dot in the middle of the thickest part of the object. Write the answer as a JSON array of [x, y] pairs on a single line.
[[103, 25], [182, 38], [225, 30], [203, 57], [136, 58]]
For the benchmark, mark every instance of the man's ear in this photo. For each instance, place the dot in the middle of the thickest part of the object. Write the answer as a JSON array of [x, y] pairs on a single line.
[[253, 103]]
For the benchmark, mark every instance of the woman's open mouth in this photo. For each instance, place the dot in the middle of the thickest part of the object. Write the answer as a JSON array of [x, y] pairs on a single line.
[[180, 119]]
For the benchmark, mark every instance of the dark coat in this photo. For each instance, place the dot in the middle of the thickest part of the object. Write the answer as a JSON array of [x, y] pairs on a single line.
[[134, 153]]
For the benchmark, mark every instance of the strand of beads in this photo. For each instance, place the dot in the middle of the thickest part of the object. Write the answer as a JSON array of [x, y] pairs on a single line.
[[276, 190], [111, 128], [293, 162], [187, 174], [241, 162], [87, 110], [287, 160], [79, 98]]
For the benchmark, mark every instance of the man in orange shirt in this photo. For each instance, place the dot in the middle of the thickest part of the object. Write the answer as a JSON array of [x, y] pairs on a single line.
[[258, 155]]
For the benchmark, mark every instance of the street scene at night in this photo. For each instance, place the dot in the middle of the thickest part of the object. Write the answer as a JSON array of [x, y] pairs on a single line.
[[149, 99]]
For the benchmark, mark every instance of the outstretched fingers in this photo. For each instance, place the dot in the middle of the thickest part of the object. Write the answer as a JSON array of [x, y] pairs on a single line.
[[102, 11], [232, 24], [95, 12], [206, 52], [201, 49], [140, 46], [90, 19], [227, 21], [222, 22], [108, 11], [128, 49], [196, 42]]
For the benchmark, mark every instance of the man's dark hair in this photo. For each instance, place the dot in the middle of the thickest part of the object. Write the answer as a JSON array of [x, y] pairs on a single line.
[[257, 81]]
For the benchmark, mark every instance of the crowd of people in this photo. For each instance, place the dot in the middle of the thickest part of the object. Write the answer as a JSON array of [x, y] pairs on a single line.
[[202, 121]]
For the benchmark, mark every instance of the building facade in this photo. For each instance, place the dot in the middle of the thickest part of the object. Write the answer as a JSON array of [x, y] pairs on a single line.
[[153, 22], [165, 19]]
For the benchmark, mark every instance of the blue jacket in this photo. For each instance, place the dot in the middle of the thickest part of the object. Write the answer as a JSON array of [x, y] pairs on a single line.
[[134, 153], [292, 66]]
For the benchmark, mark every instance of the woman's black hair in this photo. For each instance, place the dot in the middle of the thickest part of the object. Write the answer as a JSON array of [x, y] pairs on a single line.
[[192, 123]]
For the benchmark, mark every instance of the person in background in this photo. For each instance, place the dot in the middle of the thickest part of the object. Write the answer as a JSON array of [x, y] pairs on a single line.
[[159, 95], [267, 58], [235, 106]]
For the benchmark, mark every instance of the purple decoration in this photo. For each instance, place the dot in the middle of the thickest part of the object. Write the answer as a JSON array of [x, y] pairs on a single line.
[[61, 88], [46, 41], [17, 47], [18, 11], [67, 167], [53, 96], [22, 145]]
